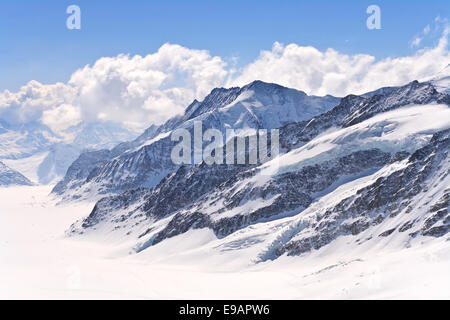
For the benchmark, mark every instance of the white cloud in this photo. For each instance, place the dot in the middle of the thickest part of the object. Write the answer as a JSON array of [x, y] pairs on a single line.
[[416, 42], [61, 117], [141, 90], [331, 72]]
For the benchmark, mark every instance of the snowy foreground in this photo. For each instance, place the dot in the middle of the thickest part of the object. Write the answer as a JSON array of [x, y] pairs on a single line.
[[37, 261]]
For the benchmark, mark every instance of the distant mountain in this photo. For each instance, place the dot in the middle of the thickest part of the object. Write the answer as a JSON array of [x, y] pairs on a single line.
[[441, 81], [146, 161], [372, 166], [24, 140], [99, 135], [10, 177], [44, 155]]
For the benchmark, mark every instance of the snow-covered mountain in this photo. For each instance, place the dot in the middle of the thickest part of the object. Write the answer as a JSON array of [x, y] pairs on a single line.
[[372, 167], [441, 81], [44, 156], [10, 177], [24, 140], [146, 161]]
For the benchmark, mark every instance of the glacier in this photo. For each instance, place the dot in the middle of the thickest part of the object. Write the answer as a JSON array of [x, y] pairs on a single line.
[[355, 206]]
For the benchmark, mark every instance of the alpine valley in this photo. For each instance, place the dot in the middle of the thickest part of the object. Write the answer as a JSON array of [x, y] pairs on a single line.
[[355, 205]]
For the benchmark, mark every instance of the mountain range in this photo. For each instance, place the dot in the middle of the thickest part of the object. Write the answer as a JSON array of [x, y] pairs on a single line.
[[43, 156], [145, 161], [362, 168]]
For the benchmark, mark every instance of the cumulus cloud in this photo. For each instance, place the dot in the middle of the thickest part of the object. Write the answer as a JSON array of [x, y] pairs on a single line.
[[137, 91], [141, 90], [32, 100], [331, 72]]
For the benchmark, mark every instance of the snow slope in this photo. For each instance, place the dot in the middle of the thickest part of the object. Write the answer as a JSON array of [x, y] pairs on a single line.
[[38, 262], [357, 138]]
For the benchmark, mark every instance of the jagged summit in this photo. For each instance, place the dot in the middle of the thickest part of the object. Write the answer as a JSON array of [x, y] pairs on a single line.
[[146, 161], [413, 93], [385, 176], [218, 98], [221, 97], [262, 85], [441, 81]]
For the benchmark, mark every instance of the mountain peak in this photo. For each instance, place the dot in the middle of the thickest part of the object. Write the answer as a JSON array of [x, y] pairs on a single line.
[[217, 98], [9, 177], [267, 87], [262, 84], [220, 97]]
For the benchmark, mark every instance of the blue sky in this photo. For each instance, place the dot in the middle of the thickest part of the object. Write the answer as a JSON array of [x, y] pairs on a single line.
[[37, 45]]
